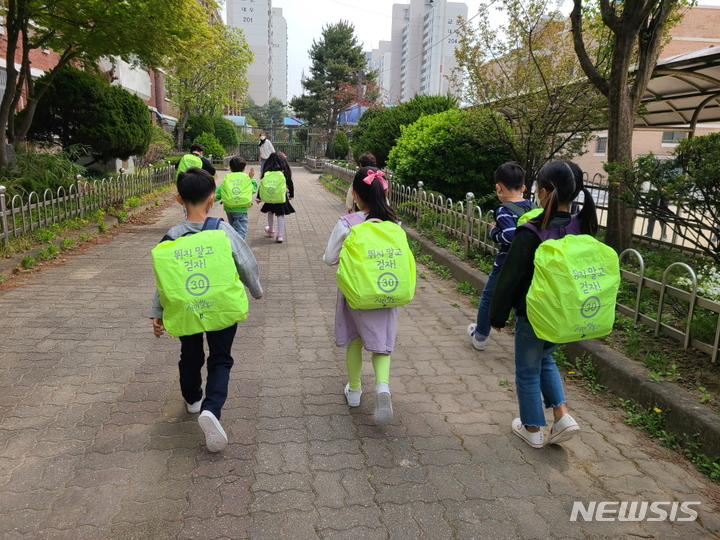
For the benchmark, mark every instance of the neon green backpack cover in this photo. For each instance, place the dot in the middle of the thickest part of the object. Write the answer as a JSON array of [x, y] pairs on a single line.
[[574, 289], [200, 289], [273, 187], [377, 268], [530, 214], [187, 162], [236, 190]]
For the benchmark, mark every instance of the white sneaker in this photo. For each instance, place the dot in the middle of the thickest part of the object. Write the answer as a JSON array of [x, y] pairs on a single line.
[[535, 439], [269, 231], [352, 396], [563, 430], [215, 437], [280, 239], [477, 343], [193, 408], [383, 405]]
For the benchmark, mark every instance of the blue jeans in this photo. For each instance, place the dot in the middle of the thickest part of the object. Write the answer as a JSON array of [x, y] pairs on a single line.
[[219, 364], [536, 375], [239, 222], [482, 330]]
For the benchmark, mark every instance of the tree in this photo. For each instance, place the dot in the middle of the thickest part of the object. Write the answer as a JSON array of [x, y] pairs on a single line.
[[196, 125], [80, 108], [631, 38], [339, 148], [226, 132], [211, 144], [690, 182], [379, 129], [452, 152], [258, 113], [208, 67], [81, 32], [276, 113], [337, 59], [526, 72]]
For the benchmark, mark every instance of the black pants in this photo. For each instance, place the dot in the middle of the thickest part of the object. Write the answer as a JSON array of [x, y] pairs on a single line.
[[219, 364]]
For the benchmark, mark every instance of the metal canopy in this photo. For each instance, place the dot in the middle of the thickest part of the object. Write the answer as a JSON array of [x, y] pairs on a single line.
[[684, 91]]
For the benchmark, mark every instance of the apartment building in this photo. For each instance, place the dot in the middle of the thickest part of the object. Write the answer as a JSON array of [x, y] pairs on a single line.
[[422, 49], [265, 30]]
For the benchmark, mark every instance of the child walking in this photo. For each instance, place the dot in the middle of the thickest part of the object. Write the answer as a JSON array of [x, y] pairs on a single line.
[[196, 192], [374, 329], [236, 193], [536, 375], [277, 162], [509, 187]]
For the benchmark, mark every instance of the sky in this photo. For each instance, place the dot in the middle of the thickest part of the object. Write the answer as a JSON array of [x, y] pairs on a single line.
[[371, 18]]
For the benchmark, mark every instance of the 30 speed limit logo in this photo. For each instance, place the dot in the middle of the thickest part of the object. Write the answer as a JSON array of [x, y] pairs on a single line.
[[387, 282]]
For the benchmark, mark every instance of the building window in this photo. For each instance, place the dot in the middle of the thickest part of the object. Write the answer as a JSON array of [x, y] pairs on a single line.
[[673, 137], [601, 147]]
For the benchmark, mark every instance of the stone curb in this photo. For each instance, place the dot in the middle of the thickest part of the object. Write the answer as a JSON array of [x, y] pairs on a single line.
[[622, 376]]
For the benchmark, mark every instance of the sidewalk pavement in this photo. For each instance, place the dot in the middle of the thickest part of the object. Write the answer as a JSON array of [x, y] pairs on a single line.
[[95, 442]]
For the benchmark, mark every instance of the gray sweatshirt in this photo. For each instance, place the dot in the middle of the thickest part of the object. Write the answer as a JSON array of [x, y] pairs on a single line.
[[245, 262]]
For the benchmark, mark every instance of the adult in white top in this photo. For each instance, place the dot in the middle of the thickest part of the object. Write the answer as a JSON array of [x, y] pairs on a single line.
[[265, 148]]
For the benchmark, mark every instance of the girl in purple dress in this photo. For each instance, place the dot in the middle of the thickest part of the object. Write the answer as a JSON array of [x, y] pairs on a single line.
[[373, 329]]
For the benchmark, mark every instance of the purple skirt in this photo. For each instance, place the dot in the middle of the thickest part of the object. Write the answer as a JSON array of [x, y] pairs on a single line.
[[376, 328]]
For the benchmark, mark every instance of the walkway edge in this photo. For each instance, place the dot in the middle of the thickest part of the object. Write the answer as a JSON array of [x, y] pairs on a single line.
[[622, 376]]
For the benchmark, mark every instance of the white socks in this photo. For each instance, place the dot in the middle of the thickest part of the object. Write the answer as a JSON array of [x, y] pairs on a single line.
[[281, 226]]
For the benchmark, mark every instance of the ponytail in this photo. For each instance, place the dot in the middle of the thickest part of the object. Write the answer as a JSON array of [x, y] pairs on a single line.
[[588, 214], [373, 194]]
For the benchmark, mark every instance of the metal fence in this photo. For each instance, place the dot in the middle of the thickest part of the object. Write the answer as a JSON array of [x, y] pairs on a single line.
[[470, 225], [21, 215]]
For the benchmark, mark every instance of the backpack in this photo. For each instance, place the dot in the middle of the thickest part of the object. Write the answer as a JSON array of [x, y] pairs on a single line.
[[273, 187], [200, 289], [236, 190], [520, 211], [187, 162], [574, 287], [377, 268]]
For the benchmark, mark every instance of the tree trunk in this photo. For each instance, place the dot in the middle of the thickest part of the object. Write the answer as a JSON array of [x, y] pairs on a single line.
[[621, 125], [181, 128], [35, 95], [13, 33]]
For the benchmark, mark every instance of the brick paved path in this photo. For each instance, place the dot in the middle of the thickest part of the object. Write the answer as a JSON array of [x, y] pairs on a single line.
[[95, 442]]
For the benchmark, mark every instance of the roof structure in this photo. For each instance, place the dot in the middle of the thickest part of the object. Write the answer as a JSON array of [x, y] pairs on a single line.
[[684, 91]]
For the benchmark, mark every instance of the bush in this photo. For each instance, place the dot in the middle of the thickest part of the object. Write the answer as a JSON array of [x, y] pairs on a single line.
[[81, 108], [689, 182], [197, 124], [226, 133], [339, 147], [161, 144], [211, 144], [302, 134], [38, 171], [378, 130], [452, 152]]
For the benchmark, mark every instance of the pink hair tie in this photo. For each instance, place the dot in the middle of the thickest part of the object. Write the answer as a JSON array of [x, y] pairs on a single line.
[[372, 175]]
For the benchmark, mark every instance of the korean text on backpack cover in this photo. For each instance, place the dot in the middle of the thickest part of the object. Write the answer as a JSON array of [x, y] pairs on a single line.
[[377, 267], [200, 289], [574, 288]]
